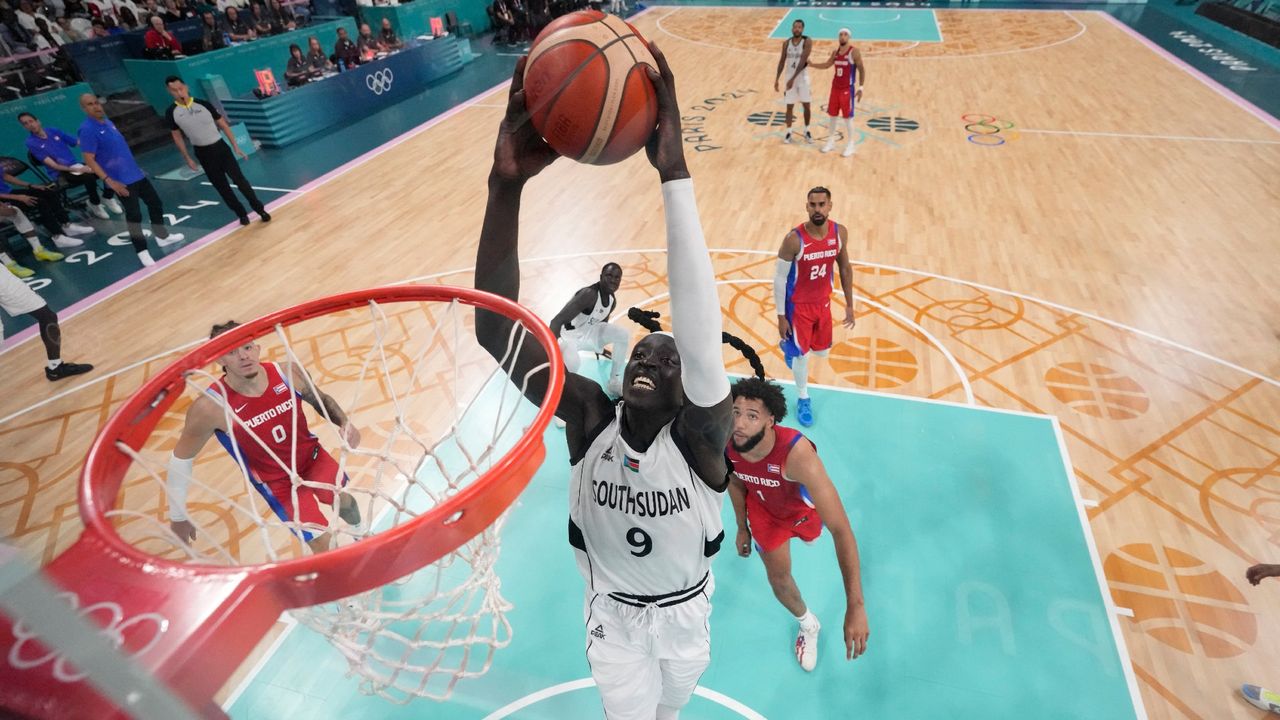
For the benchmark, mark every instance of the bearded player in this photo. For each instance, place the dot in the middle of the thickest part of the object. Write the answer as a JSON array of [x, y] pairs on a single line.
[[802, 284], [780, 490], [583, 324], [846, 87], [263, 397], [793, 66], [648, 473]]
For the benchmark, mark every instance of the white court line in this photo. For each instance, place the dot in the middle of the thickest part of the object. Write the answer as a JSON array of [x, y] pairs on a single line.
[[515, 706], [1126, 662], [1139, 136], [1126, 612], [955, 365], [937, 26], [262, 187]]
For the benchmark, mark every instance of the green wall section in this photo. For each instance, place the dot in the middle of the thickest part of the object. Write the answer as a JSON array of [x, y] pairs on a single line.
[[57, 108], [982, 597], [236, 64], [414, 18]]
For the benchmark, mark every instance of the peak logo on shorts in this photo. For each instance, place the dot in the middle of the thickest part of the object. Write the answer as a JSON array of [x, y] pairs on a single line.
[[598, 632], [281, 388], [608, 455]]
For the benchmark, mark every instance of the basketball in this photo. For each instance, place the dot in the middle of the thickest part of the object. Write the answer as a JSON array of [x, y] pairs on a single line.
[[587, 90]]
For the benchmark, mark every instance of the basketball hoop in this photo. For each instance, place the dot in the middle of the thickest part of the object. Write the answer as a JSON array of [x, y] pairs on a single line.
[[409, 596]]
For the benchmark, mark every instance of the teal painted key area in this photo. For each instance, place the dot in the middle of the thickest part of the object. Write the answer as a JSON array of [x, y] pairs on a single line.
[[303, 111], [235, 64], [866, 24], [983, 599]]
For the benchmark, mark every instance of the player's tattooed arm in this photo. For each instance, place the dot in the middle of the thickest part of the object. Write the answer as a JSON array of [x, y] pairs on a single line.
[[323, 403]]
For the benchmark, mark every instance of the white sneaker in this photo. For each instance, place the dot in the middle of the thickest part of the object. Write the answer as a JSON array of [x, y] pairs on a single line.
[[786, 140], [98, 211], [831, 145], [66, 241], [848, 152], [807, 645], [113, 205], [145, 257], [74, 229], [808, 138], [170, 239]]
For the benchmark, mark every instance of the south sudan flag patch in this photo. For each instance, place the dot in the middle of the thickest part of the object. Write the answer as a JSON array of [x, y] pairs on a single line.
[[630, 463]]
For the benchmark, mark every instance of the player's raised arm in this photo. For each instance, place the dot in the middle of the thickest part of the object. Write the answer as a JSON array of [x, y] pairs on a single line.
[[518, 155], [323, 403], [787, 254], [704, 423], [805, 467], [846, 279], [203, 418]]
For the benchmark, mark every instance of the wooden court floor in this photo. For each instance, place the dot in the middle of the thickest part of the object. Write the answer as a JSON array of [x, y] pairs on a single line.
[[1107, 263]]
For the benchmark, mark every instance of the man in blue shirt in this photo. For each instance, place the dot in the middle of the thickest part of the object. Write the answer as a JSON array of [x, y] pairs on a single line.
[[52, 147], [108, 155]]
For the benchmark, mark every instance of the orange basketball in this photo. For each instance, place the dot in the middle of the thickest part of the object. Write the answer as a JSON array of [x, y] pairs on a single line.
[[587, 90]]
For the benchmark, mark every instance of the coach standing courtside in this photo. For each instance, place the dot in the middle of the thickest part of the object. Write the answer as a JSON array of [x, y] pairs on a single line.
[[108, 156], [201, 123]]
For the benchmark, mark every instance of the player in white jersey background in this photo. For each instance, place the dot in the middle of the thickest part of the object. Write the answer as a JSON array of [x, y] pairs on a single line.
[[793, 71], [583, 325], [648, 473]]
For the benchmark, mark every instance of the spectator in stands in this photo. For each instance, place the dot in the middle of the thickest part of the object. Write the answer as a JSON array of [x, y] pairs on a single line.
[[367, 44], [113, 27], [52, 148], [213, 36], [236, 26], [99, 30], [299, 71], [184, 9], [316, 57], [108, 155], [222, 5], [127, 20], [281, 17], [161, 44], [388, 36], [169, 11], [69, 31], [27, 15], [17, 298], [201, 122], [261, 24], [46, 201], [504, 23], [345, 52], [11, 213]]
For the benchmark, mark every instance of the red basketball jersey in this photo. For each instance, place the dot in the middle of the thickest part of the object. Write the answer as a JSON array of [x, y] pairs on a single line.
[[275, 418], [766, 480], [842, 81], [813, 272]]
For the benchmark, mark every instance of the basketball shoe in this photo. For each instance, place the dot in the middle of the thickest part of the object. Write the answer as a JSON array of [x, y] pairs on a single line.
[[1260, 698], [807, 642], [804, 411]]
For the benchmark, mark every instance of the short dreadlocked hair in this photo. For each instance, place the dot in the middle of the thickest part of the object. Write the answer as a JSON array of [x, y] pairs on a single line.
[[766, 391]]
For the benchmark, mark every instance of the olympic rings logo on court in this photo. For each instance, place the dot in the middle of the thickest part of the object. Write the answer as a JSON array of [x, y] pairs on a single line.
[[114, 629], [380, 81], [987, 130]]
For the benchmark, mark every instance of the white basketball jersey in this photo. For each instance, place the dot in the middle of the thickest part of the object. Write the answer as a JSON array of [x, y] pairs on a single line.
[[598, 314], [794, 53], [648, 524]]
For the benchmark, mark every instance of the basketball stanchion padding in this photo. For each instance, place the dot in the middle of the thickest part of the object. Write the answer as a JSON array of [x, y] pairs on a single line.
[[190, 624]]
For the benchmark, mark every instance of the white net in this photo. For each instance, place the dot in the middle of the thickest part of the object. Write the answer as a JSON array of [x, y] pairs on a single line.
[[434, 413]]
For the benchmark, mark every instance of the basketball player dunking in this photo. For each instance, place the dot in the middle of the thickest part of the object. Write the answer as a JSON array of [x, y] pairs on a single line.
[[802, 284], [781, 490], [793, 67], [583, 324], [846, 87], [264, 398], [648, 473]]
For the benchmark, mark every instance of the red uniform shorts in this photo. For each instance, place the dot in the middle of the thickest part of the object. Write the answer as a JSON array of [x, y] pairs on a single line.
[[811, 326], [840, 104], [322, 471], [770, 532]]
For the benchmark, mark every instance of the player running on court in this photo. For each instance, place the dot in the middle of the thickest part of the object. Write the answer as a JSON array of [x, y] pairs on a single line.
[[583, 324], [846, 87], [802, 284], [648, 473], [780, 490], [271, 436], [793, 67]]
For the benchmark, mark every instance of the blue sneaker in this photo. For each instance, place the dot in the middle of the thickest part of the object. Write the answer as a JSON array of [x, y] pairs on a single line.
[[790, 351], [1262, 699], [804, 412]]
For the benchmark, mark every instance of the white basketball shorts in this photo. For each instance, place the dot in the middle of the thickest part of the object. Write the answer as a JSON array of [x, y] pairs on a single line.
[[15, 297], [799, 91], [641, 657]]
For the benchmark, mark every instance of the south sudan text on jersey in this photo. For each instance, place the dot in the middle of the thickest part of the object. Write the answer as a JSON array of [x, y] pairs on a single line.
[[643, 503]]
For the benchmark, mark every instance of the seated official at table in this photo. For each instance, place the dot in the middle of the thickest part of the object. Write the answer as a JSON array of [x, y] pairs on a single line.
[[299, 71], [368, 44], [345, 51], [161, 44], [236, 26], [388, 36], [316, 57]]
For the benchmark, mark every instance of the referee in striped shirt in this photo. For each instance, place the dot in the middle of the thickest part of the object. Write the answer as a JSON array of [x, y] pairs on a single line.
[[204, 126]]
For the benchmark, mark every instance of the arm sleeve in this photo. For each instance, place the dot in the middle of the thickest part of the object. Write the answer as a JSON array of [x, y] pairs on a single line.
[[782, 270], [177, 484], [695, 305]]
